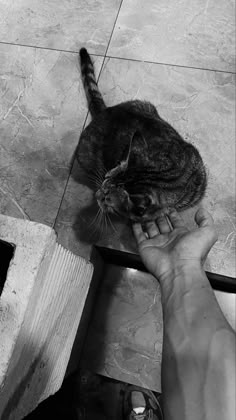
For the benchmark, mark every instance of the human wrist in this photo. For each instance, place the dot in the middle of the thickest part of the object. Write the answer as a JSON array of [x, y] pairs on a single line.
[[186, 275], [181, 268], [188, 296]]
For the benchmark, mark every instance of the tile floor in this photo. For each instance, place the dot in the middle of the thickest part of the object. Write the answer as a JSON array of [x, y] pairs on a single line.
[[177, 54]]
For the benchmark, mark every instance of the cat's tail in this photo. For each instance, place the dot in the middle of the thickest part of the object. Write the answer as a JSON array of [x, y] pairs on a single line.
[[95, 101]]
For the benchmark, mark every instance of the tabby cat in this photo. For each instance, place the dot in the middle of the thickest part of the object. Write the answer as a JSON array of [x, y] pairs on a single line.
[[140, 165]]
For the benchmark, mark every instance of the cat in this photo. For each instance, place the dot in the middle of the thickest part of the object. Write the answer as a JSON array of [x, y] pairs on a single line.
[[141, 167]]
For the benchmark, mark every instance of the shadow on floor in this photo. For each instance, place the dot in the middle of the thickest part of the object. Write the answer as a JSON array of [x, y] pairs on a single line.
[[84, 396]]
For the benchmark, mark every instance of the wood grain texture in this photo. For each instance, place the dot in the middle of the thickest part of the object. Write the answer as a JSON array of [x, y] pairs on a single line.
[[36, 345]]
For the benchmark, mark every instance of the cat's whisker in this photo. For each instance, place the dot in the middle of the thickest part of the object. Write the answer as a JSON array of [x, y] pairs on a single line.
[[100, 171], [112, 225], [99, 175], [116, 212], [97, 183], [104, 169], [92, 181], [95, 219], [96, 177], [105, 222], [98, 226], [99, 219], [93, 176], [101, 225]]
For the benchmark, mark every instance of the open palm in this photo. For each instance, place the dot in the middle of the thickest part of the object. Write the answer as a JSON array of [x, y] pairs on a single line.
[[170, 244]]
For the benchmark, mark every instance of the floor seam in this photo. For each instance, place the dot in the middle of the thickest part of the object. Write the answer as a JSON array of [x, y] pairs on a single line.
[[169, 64], [38, 47], [121, 3], [105, 55], [119, 58], [70, 172]]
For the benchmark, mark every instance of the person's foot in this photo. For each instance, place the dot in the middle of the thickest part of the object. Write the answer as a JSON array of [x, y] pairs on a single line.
[[141, 404]]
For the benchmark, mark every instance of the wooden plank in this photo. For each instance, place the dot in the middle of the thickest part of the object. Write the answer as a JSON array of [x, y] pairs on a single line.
[[41, 306]]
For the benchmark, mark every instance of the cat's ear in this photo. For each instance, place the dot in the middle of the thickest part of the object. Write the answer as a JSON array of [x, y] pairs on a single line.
[[138, 143], [136, 148]]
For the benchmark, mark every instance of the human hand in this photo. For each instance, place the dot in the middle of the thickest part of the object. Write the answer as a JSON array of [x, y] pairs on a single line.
[[168, 245]]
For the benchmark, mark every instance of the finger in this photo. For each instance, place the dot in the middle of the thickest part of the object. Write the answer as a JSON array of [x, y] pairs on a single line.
[[152, 229], [138, 233], [203, 218], [163, 225], [175, 219]]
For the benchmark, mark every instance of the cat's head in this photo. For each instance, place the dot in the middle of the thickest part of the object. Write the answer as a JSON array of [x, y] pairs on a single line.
[[122, 193]]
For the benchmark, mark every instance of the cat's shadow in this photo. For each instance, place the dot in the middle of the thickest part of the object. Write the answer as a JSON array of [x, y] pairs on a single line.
[[90, 226]]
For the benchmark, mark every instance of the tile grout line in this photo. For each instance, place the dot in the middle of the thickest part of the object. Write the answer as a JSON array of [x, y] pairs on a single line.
[[118, 58], [168, 64], [69, 173], [109, 41], [121, 3]]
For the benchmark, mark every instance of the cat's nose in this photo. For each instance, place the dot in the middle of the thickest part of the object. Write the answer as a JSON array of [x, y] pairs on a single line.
[[103, 197]]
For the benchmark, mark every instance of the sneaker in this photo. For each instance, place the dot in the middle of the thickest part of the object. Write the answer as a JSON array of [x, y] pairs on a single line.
[[141, 404]]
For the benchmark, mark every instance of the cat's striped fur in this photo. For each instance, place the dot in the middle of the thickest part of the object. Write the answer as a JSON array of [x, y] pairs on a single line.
[[141, 164], [94, 97]]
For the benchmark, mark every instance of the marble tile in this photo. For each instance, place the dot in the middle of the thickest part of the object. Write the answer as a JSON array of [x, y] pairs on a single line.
[[125, 336], [42, 112], [64, 25], [200, 104], [186, 32]]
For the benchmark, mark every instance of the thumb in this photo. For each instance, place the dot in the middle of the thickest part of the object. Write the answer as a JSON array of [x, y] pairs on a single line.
[[203, 218]]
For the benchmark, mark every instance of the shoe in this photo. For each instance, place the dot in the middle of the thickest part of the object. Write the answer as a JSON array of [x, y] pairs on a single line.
[[140, 404]]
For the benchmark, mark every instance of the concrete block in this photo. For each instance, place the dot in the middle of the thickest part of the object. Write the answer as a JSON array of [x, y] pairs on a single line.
[[40, 309]]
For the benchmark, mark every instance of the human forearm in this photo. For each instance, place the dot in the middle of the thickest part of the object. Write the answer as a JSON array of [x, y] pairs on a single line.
[[196, 364], [187, 287]]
